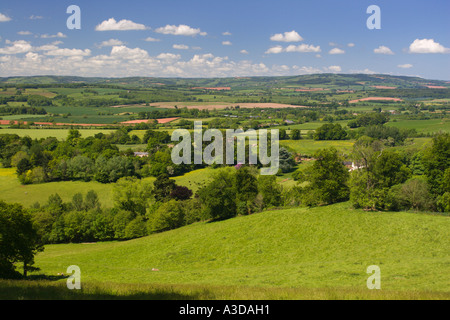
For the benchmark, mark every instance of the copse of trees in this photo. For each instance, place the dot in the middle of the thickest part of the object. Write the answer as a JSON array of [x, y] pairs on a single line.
[[330, 131], [326, 180], [238, 191], [369, 119]]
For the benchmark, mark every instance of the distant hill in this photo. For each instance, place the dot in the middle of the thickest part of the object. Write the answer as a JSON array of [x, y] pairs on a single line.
[[330, 81]]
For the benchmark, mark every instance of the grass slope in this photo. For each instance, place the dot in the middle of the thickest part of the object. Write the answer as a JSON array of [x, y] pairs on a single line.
[[328, 248]]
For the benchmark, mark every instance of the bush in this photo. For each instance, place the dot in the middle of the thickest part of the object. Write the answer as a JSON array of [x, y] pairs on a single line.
[[168, 216], [412, 195], [136, 229]]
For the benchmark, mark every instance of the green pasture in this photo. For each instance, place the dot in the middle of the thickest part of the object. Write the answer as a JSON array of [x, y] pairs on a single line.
[[423, 126], [58, 133], [326, 249]]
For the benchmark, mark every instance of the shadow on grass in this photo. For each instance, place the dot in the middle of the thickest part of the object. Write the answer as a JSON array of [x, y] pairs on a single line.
[[51, 288]]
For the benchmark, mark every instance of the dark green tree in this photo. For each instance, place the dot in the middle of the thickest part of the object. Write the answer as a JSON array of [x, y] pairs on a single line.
[[327, 179], [19, 240]]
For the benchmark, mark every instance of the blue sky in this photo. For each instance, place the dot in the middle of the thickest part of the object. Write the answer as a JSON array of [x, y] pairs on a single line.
[[175, 38]]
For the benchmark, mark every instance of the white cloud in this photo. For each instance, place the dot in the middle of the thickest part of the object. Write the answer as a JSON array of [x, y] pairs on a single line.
[[427, 46], [126, 53], [365, 71], [181, 30], [150, 39], [226, 43], [275, 50], [244, 51], [303, 48], [226, 33], [336, 51], [383, 50], [306, 70], [168, 56], [32, 56], [49, 36], [48, 47], [4, 18], [122, 25], [293, 48], [110, 43], [180, 47], [24, 33], [291, 36], [69, 52], [333, 69], [351, 45], [33, 17], [405, 66], [17, 47]]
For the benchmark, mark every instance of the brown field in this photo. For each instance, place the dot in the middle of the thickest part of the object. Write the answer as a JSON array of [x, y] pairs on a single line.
[[436, 87], [376, 99], [224, 105], [167, 120], [384, 87], [216, 88]]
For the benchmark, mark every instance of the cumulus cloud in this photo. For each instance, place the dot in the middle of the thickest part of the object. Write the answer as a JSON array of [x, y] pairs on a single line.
[[4, 18], [383, 50], [291, 36], [122, 25], [48, 47], [333, 69], [427, 46], [180, 47], [49, 36], [226, 33], [306, 70], [365, 71], [16, 47], [226, 43], [24, 33], [33, 17], [110, 43], [303, 48], [150, 39], [126, 53], [293, 48], [244, 51], [405, 66], [351, 45], [275, 50], [168, 56], [181, 30], [68, 52], [336, 51]]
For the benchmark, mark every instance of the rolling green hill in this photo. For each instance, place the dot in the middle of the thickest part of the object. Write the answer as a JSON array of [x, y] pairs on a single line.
[[327, 80], [328, 248]]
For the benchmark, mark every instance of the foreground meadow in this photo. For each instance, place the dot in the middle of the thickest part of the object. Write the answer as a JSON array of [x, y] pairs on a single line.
[[300, 253]]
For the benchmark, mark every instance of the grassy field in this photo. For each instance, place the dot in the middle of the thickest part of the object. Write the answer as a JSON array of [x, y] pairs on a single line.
[[308, 147], [57, 133], [12, 191], [321, 252], [424, 126]]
